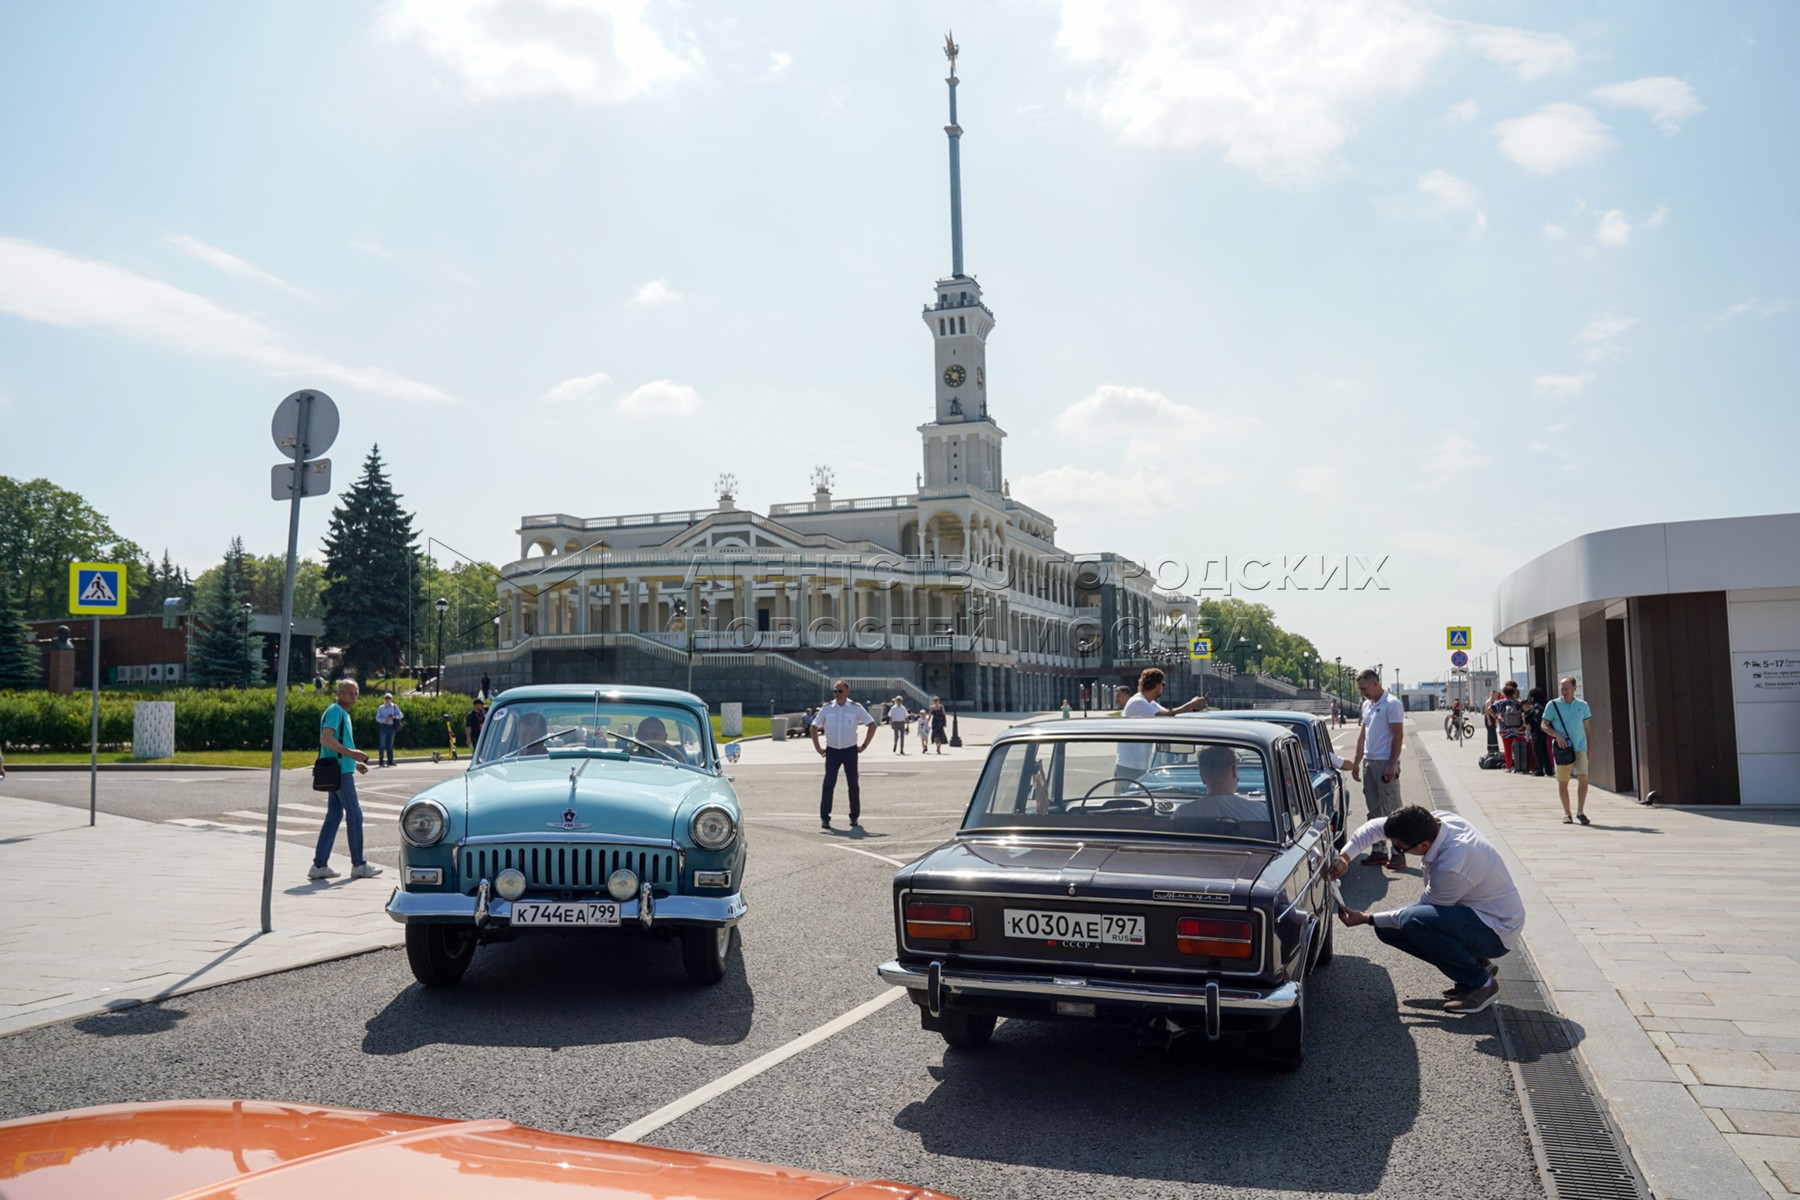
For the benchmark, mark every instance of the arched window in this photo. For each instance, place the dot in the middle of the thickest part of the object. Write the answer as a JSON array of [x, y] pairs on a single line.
[[962, 324], [940, 327]]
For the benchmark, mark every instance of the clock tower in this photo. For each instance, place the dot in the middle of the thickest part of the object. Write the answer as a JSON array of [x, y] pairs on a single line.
[[962, 443]]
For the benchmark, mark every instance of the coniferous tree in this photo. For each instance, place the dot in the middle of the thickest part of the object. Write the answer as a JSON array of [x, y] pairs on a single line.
[[223, 654], [18, 654], [371, 581]]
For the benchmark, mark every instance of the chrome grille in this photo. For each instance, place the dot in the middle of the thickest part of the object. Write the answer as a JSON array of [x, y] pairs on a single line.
[[576, 865]]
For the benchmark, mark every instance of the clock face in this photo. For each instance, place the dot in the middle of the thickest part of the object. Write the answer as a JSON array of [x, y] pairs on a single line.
[[954, 375]]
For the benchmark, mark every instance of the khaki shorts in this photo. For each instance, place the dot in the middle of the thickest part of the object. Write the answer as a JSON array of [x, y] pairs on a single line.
[[1578, 767]]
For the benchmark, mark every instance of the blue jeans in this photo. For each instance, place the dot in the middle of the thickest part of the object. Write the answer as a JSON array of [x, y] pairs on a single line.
[[1448, 936], [385, 753], [343, 807]]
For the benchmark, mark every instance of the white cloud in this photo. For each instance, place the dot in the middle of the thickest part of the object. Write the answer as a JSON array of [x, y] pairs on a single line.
[[1464, 111], [1668, 100], [1070, 486], [1446, 462], [653, 293], [231, 264], [1750, 307], [1554, 137], [1526, 54], [1657, 217], [1599, 338], [1150, 421], [1614, 230], [1453, 195], [1561, 387], [779, 61], [659, 398], [48, 286], [594, 51], [581, 389], [375, 248], [1555, 231]]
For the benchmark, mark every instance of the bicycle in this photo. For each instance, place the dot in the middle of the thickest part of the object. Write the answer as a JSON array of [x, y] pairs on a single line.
[[1456, 730]]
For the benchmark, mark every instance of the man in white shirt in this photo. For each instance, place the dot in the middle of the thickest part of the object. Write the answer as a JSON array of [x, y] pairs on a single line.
[[897, 715], [1377, 760], [1133, 758], [1469, 913], [839, 722]]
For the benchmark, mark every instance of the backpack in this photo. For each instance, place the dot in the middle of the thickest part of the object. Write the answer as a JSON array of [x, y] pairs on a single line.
[[1491, 762], [1512, 715]]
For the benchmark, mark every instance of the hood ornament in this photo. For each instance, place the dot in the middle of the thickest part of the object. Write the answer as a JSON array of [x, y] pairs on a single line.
[[568, 821]]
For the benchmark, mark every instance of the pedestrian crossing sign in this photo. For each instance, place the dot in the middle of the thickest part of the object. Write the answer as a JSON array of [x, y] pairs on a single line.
[[1459, 637], [96, 589], [1200, 648]]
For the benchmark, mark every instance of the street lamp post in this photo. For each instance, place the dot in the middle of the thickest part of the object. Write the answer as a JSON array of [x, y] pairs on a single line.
[[443, 606]]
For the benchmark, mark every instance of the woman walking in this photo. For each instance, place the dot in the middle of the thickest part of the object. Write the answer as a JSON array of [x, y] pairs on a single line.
[[937, 723]]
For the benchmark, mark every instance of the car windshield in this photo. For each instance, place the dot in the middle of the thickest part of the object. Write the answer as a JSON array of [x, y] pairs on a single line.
[[1125, 785], [577, 726]]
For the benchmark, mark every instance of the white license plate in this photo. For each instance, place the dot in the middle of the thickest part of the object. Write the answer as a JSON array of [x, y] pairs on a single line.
[[544, 912], [1106, 928]]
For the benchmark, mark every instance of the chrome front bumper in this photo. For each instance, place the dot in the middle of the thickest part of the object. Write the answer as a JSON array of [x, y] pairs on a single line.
[[1212, 999], [452, 908]]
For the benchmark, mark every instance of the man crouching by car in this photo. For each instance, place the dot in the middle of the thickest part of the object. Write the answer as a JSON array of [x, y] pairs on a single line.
[[1469, 913]]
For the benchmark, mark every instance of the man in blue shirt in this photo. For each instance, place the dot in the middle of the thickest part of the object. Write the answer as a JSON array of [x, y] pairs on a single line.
[[337, 740], [1566, 721]]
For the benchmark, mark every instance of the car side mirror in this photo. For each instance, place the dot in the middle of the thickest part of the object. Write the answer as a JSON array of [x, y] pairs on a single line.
[[733, 752]]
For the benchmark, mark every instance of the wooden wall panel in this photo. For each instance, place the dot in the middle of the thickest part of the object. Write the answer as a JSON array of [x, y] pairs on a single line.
[[1687, 736]]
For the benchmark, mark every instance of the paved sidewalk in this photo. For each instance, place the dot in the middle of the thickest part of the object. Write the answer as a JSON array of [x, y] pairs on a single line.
[[1671, 939], [128, 911]]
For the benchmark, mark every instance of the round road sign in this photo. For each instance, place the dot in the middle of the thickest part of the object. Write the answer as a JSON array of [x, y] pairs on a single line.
[[1459, 659], [321, 424]]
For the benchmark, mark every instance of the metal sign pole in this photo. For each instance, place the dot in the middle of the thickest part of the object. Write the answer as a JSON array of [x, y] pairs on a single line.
[[94, 728], [281, 670]]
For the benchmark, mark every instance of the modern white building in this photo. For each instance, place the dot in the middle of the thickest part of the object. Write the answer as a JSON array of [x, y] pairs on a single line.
[[955, 588], [1685, 640]]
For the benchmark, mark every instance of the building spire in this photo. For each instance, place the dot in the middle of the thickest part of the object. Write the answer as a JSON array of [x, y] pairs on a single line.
[[953, 132]]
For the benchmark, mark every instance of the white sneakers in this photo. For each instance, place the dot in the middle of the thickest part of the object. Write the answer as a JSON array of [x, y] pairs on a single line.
[[367, 871]]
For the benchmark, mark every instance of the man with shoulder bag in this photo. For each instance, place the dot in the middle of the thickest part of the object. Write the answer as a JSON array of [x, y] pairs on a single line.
[[1566, 721], [339, 756]]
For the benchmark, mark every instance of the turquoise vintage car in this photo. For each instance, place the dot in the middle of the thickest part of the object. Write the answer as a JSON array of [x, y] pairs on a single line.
[[587, 810]]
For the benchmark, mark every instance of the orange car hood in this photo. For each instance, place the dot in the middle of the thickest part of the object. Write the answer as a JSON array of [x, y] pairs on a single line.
[[260, 1150]]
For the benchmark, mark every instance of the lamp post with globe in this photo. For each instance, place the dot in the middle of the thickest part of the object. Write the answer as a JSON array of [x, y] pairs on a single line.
[[443, 606]]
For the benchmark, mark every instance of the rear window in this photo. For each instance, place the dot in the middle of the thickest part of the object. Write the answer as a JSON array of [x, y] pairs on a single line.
[[1125, 785]]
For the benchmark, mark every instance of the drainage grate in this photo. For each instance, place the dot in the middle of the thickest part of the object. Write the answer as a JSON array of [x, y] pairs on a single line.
[[1579, 1152]]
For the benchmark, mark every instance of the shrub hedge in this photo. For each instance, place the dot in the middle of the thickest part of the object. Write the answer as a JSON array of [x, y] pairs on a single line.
[[223, 719]]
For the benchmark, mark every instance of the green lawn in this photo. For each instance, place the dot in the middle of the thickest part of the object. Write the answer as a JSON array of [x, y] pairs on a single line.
[[754, 727], [216, 758]]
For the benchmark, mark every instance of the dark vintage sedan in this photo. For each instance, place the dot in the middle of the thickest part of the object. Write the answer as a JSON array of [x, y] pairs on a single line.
[[1315, 746], [1168, 874]]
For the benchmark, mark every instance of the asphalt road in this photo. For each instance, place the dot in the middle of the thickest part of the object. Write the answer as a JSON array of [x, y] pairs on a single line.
[[1396, 1098]]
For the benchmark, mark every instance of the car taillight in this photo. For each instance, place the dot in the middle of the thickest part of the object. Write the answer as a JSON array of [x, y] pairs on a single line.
[[944, 922], [1218, 939]]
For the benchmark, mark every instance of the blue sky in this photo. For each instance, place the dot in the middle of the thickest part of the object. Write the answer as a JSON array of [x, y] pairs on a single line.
[[1444, 283]]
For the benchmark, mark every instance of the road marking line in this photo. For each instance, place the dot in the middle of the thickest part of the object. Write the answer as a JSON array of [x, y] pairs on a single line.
[[250, 815], [197, 823], [750, 1070], [870, 853]]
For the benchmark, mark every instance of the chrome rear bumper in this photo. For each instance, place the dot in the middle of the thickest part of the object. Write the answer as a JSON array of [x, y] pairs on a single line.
[[453, 908], [1231, 1000]]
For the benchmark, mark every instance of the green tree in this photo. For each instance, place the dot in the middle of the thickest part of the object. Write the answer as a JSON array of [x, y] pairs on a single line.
[[224, 655], [19, 665], [371, 578], [44, 528], [160, 581], [469, 621]]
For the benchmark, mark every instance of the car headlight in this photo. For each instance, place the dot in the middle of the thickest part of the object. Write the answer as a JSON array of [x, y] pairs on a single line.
[[622, 884], [712, 828], [510, 883], [424, 823]]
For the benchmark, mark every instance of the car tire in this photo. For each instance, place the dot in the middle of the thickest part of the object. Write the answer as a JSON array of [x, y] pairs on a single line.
[[966, 1031], [705, 952], [1285, 1045], [1328, 946], [439, 954]]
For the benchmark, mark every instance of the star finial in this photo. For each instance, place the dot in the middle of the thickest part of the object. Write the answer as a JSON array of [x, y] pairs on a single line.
[[950, 49]]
